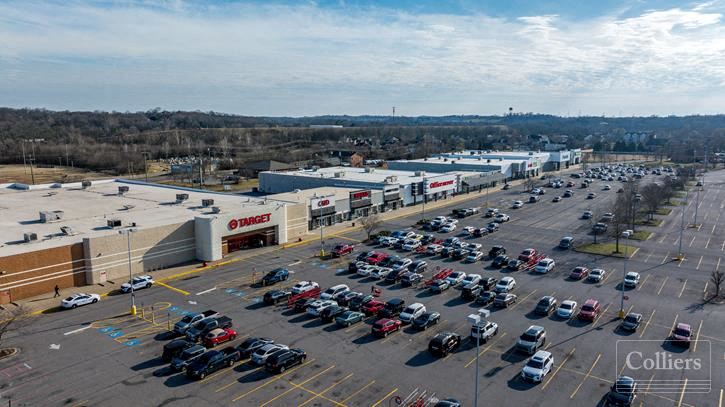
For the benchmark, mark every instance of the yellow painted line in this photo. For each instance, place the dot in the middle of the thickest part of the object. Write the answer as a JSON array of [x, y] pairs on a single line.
[[226, 386], [348, 238], [81, 404], [315, 376], [314, 393], [221, 372], [327, 389], [523, 299], [357, 392], [178, 290], [586, 376], [486, 349], [641, 334], [643, 282], [272, 380], [601, 315], [682, 394], [683, 289], [377, 403], [662, 286], [697, 336], [558, 368]]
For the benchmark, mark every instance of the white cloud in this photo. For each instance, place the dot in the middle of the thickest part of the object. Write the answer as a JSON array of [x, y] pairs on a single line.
[[308, 60]]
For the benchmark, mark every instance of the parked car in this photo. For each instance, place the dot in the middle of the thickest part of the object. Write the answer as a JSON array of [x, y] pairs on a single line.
[[492, 227], [500, 261], [282, 360], [418, 266], [527, 254], [410, 245], [318, 306], [250, 345], [515, 265], [376, 258], [480, 232], [187, 356], [599, 227], [219, 335], [409, 279], [330, 313], [444, 343], [372, 307], [501, 217], [342, 249], [79, 300], [455, 278], [631, 322], [471, 279], [485, 297], [631, 279], [532, 339], [579, 273], [556, 199], [681, 335], [412, 312], [259, 356], [174, 348], [276, 296], [304, 286], [426, 320], [590, 310], [392, 308], [201, 328], [447, 228], [544, 265], [622, 393], [439, 286], [517, 205], [212, 361], [505, 285], [566, 243], [538, 366], [491, 212], [275, 276], [587, 215], [348, 318], [567, 309], [138, 282], [503, 300], [597, 275], [333, 291], [545, 305], [181, 326], [484, 330], [385, 326], [495, 251], [433, 249], [358, 302], [474, 256]]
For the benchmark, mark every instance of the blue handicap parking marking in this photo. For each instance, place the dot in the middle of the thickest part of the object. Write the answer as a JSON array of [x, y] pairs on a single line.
[[238, 294], [116, 334], [340, 270], [230, 290], [106, 329], [173, 309], [323, 266], [132, 342]]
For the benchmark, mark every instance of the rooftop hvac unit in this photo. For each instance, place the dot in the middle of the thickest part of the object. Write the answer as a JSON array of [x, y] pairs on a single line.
[[67, 230], [216, 209], [531, 153], [50, 216], [445, 159], [128, 207], [488, 160], [473, 153], [369, 169], [339, 174], [30, 237], [419, 173], [391, 179], [453, 161], [114, 223], [122, 189], [207, 202], [425, 159], [85, 184], [181, 197]]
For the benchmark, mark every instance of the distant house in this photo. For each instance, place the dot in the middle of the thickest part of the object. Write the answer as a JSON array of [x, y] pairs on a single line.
[[346, 158], [252, 169]]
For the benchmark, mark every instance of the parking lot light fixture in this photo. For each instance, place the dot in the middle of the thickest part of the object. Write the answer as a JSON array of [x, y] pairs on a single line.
[[624, 274], [128, 232]]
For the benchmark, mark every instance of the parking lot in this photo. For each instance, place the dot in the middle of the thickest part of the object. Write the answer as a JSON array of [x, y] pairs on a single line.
[[99, 355]]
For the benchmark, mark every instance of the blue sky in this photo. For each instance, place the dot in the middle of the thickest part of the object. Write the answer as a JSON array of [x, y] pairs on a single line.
[[363, 57]]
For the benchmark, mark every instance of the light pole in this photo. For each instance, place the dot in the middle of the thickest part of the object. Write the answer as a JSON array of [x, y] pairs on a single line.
[[624, 274], [681, 255], [478, 342], [128, 232], [322, 242]]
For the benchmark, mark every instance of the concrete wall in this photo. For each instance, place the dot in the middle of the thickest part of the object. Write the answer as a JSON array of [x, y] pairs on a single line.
[[151, 249], [297, 221], [37, 272]]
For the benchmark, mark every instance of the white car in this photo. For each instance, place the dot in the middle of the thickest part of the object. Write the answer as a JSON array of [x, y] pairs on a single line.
[[631, 279], [505, 285], [455, 278], [596, 275], [447, 228], [333, 291], [412, 312], [607, 216], [471, 279], [80, 299], [538, 366], [490, 212], [138, 283], [304, 286], [366, 270], [469, 230], [380, 272], [474, 246], [566, 309], [501, 217], [386, 240], [517, 205], [434, 249], [317, 306], [545, 265], [411, 245], [474, 256], [607, 187], [627, 233], [401, 264], [260, 355]]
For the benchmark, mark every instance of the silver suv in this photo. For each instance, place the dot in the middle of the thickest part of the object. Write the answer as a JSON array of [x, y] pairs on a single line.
[[531, 340]]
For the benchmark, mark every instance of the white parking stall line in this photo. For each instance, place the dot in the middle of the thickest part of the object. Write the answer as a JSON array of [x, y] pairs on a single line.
[[698, 263], [206, 291], [708, 242], [77, 330], [692, 241]]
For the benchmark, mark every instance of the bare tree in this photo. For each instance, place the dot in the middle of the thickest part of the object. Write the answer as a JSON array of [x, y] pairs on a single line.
[[651, 198], [12, 319], [370, 224], [717, 278], [668, 189], [621, 210]]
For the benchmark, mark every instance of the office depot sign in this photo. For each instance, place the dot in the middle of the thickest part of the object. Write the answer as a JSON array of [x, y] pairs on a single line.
[[249, 221], [440, 184]]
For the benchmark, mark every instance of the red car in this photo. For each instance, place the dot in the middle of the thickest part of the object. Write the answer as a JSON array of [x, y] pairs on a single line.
[[217, 336], [372, 307], [579, 272], [342, 249], [527, 255], [383, 327], [681, 335], [376, 258], [590, 310]]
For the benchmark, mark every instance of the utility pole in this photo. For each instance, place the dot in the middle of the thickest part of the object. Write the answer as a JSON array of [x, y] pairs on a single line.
[[25, 168]]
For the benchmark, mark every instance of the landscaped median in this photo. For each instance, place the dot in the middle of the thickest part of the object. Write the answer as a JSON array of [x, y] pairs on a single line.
[[640, 235], [607, 249], [663, 211], [648, 222]]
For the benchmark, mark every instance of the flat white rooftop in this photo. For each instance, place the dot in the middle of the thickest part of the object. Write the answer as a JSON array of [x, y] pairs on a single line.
[[466, 160], [304, 195], [496, 154], [86, 211], [371, 175]]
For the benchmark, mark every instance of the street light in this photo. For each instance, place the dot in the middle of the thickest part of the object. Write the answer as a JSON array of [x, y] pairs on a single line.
[[624, 274], [128, 232]]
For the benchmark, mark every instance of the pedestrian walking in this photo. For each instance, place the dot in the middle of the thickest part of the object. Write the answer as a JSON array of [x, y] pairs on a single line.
[[57, 291]]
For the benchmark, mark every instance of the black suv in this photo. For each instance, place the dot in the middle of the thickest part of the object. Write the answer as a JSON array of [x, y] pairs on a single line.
[[174, 349], [500, 261], [546, 305], [392, 308], [418, 266], [330, 313], [281, 360], [470, 291], [357, 302], [276, 296], [275, 276], [488, 283], [249, 345], [444, 343], [485, 297], [301, 304], [495, 251]]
